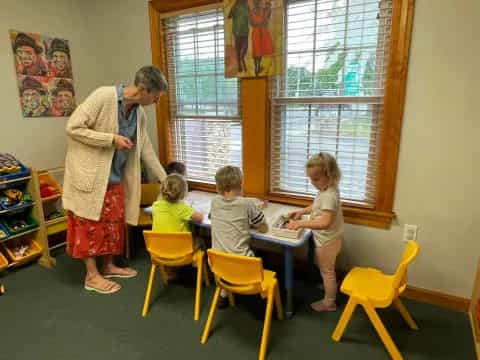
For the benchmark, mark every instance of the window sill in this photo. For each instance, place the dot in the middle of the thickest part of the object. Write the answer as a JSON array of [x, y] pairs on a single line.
[[351, 214], [201, 186]]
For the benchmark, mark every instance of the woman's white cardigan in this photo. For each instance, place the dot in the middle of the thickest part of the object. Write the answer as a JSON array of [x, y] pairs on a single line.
[[90, 152]]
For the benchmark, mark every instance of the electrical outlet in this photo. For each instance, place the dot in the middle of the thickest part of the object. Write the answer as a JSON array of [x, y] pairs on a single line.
[[410, 232]]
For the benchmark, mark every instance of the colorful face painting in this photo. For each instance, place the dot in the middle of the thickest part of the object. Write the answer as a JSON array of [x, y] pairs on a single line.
[[44, 74]]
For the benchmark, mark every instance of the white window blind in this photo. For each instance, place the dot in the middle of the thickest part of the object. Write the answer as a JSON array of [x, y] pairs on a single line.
[[204, 111], [330, 97]]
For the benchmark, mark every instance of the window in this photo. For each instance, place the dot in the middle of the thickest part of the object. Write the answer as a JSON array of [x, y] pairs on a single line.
[[331, 95], [204, 110]]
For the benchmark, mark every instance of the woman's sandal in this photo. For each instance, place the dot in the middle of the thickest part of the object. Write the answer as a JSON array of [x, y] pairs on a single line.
[[126, 273], [110, 288]]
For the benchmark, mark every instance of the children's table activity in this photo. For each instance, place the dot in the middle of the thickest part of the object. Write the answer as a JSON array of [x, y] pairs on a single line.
[[274, 212]]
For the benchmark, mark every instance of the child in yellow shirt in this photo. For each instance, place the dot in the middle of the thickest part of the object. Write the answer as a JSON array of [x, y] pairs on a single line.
[[170, 213]]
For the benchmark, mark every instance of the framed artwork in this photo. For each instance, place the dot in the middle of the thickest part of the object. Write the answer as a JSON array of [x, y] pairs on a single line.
[[253, 37], [44, 74]]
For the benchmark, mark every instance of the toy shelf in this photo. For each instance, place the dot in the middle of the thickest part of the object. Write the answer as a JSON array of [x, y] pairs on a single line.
[[33, 235], [52, 178]]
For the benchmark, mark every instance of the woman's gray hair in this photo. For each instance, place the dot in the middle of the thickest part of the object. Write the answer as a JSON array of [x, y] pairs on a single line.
[[151, 78]]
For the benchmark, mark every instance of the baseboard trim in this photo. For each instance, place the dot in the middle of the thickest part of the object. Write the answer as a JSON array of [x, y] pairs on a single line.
[[431, 297], [437, 298]]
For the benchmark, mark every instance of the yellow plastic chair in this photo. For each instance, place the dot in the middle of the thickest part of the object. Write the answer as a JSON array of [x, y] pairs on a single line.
[[243, 275], [372, 289], [174, 249], [149, 194]]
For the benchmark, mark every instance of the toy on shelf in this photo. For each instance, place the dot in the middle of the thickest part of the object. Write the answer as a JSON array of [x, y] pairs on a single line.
[[47, 190], [3, 233], [13, 197], [8, 164], [48, 186], [19, 223], [21, 251], [54, 215]]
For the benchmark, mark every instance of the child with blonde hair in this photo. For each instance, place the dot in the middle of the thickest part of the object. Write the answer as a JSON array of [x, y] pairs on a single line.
[[326, 222], [232, 216], [169, 212]]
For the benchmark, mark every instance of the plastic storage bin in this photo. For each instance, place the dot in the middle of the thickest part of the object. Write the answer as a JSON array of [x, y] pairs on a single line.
[[3, 232], [49, 187], [34, 250], [22, 205], [3, 262], [9, 221]]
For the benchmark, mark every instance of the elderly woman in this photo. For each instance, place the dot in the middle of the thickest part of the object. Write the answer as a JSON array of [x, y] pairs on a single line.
[[107, 140]]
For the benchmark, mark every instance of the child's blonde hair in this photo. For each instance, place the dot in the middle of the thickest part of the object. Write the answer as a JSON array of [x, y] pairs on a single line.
[[173, 188], [228, 178], [327, 166]]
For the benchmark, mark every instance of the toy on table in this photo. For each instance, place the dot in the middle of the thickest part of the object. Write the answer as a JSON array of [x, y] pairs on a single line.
[[285, 219], [47, 190], [280, 228], [3, 234], [8, 164]]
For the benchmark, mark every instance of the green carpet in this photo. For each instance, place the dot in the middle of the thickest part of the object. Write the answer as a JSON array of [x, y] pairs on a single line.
[[46, 314]]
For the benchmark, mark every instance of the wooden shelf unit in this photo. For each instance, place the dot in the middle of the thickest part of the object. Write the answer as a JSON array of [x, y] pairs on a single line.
[[56, 225], [36, 234]]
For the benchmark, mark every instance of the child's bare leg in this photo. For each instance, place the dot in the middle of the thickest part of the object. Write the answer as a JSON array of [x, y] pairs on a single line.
[[326, 257]]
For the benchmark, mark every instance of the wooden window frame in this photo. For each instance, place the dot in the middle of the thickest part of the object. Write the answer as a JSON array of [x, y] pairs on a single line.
[[256, 118]]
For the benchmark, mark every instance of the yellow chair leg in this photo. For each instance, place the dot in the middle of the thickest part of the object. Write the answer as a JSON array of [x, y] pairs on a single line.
[[198, 290], [211, 314], [382, 332], [405, 314], [149, 290], [231, 299], [344, 319], [164, 275], [278, 302], [266, 324], [205, 275]]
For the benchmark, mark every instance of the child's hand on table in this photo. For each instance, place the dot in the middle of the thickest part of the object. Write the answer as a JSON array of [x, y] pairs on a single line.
[[295, 215], [293, 225]]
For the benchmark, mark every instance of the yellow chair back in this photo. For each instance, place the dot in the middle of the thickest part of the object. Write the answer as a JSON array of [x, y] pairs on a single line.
[[169, 245], [149, 194], [236, 269], [400, 276]]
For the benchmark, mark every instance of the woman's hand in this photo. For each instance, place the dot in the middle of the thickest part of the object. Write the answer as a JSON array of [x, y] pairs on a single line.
[[293, 225], [122, 142]]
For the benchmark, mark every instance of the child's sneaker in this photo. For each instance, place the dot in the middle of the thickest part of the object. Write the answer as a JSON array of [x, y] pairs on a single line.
[[321, 306]]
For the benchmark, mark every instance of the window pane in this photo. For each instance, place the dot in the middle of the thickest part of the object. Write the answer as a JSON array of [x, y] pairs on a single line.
[[331, 96], [206, 128], [206, 146]]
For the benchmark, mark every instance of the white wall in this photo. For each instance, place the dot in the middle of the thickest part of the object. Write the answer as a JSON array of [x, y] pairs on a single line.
[[437, 183], [108, 43], [122, 38], [40, 142]]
